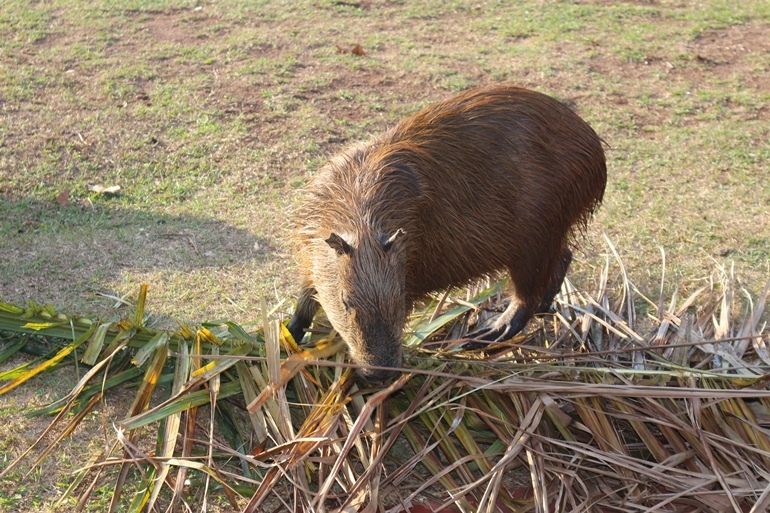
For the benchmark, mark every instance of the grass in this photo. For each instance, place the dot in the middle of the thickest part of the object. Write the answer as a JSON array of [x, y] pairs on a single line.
[[210, 119]]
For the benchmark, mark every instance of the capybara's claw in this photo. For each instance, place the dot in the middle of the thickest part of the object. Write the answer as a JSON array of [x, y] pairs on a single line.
[[488, 334], [479, 338]]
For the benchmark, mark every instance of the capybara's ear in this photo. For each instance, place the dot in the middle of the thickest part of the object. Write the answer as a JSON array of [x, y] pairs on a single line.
[[339, 245], [387, 243]]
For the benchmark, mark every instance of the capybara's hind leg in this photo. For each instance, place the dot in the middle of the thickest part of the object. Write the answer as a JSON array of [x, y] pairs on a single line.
[[307, 306], [555, 284]]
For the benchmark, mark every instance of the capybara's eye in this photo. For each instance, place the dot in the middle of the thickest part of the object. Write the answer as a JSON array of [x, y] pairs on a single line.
[[345, 302]]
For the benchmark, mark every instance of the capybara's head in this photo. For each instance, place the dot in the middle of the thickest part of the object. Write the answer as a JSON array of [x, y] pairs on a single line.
[[362, 291]]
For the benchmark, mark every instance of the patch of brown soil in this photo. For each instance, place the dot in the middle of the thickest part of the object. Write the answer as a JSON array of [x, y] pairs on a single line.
[[735, 50], [733, 55], [184, 27]]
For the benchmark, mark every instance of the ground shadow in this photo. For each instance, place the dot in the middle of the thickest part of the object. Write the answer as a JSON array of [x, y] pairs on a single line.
[[52, 253]]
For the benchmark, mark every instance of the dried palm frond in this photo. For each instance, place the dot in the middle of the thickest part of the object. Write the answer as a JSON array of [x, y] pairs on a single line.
[[614, 402]]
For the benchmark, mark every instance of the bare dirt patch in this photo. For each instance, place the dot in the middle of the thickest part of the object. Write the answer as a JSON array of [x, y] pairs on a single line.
[[719, 64], [182, 26], [738, 50]]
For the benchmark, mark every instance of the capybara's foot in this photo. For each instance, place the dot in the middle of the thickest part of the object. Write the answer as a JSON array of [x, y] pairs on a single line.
[[507, 325]]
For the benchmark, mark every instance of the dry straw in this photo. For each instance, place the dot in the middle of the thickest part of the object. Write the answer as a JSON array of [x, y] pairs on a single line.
[[614, 403]]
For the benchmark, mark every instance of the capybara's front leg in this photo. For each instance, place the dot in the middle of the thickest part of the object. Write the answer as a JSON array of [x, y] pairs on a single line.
[[307, 306], [519, 312], [555, 284], [512, 321]]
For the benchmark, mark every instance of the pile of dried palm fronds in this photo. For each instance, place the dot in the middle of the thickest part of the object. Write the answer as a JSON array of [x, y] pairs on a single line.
[[614, 403]]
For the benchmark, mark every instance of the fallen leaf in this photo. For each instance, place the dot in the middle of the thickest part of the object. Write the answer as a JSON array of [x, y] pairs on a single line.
[[63, 198], [355, 49]]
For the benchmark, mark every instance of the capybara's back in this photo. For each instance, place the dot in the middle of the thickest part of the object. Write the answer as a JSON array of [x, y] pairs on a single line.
[[495, 178]]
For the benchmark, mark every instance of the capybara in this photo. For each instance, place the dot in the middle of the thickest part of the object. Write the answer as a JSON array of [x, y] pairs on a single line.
[[497, 177]]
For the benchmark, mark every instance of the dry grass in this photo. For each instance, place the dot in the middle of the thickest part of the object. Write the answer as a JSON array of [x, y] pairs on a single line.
[[616, 402]]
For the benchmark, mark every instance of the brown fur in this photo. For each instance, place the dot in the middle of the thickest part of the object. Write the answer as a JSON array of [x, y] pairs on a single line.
[[495, 178]]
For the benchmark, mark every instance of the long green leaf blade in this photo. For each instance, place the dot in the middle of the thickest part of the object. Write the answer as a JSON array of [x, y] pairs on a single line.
[[63, 353]]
